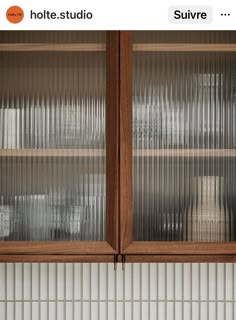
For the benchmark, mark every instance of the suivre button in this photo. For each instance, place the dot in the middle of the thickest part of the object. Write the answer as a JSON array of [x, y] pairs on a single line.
[[190, 14]]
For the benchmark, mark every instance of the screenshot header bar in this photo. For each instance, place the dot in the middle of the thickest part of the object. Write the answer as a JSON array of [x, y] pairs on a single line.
[[117, 15]]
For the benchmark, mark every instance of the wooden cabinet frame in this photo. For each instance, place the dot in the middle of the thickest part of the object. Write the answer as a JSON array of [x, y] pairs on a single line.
[[85, 250], [144, 251]]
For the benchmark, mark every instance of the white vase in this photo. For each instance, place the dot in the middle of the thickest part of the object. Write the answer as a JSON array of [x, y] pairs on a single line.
[[208, 221]]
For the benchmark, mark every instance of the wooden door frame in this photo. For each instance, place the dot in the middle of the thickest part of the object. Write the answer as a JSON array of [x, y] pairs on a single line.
[[149, 250], [83, 250]]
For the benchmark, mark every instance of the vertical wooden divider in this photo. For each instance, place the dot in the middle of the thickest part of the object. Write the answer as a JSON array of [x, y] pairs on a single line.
[[112, 139], [125, 139]]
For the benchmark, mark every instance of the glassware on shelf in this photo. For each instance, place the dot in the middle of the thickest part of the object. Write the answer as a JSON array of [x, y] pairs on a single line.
[[6, 214]]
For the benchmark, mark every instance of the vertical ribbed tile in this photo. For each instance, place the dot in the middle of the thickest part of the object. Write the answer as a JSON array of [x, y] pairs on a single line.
[[178, 281], [19, 281], [153, 311], [212, 310], [119, 274], [229, 309], [69, 281], [195, 311], [77, 281], [10, 310], [2, 310], [178, 311], [220, 281], [187, 281], [145, 281], [170, 282], [161, 310], [35, 311], [60, 311], [52, 311], [27, 282], [128, 311], [35, 279], [203, 281], [145, 313], [69, 310], [3, 277], [27, 311], [119, 311], [229, 281], [136, 281], [52, 281], [153, 281], [111, 310], [128, 282], [60, 281], [204, 315], [77, 309], [43, 311], [161, 282], [103, 311], [111, 282], [195, 281], [86, 281], [187, 311], [212, 282], [136, 312], [10, 281]]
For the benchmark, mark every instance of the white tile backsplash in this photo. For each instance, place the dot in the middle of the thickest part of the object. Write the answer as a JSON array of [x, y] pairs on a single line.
[[98, 292]]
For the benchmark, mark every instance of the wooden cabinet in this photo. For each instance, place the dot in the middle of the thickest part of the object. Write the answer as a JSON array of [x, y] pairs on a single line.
[[178, 146], [59, 145], [117, 146]]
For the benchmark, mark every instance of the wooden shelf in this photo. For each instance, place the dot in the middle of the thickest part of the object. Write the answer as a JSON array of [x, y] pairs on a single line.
[[52, 152], [185, 153], [52, 47], [191, 47]]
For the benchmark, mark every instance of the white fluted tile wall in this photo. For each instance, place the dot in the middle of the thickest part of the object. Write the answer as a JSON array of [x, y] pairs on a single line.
[[97, 292]]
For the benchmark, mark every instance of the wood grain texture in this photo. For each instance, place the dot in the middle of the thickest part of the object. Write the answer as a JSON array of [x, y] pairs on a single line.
[[56, 258], [125, 139], [52, 47], [52, 153], [180, 258], [181, 248], [55, 248], [186, 47], [185, 153], [112, 139]]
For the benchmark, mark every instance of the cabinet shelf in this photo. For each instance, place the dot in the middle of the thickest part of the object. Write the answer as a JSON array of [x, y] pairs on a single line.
[[52, 153], [52, 47], [185, 47], [185, 153]]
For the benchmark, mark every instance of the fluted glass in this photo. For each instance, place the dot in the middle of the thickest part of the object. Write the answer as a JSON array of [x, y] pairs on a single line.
[[184, 160], [52, 139]]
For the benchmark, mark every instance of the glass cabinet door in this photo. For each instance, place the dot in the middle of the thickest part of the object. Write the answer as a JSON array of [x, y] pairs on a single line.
[[182, 132], [53, 156]]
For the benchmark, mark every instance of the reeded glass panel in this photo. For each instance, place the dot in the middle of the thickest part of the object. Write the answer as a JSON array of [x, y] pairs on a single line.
[[52, 138], [184, 140]]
